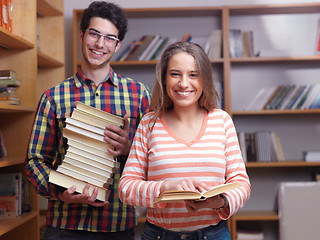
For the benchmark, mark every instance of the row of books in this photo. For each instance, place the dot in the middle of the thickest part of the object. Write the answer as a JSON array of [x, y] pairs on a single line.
[[87, 159], [260, 146], [8, 87], [15, 196], [241, 43], [283, 97], [249, 235], [150, 47], [3, 150], [6, 14]]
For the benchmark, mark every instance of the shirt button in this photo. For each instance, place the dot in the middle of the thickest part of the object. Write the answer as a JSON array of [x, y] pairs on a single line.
[[158, 237], [97, 94]]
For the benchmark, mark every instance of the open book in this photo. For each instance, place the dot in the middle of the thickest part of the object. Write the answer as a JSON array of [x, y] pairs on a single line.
[[179, 196]]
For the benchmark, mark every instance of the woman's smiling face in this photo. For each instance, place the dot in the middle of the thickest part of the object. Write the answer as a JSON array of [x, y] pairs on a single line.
[[183, 81]]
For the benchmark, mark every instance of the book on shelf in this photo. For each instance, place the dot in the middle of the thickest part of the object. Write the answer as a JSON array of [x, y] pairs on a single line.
[[260, 99], [7, 74], [262, 146], [126, 51], [180, 196], [9, 82], [235, 43], [247, 44], [215, 49], [315, 103], [154, 49], [10, 195], [3, 149], [318, 39], [139, 48], [186, 38], [160, 48], [68, 181], [148, 48], [311, 156], [249, 235], [6, 14], [168, 42], [242, 144]]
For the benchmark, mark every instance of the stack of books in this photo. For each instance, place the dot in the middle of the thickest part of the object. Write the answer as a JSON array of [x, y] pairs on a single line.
[[87, 160], [8, 87]]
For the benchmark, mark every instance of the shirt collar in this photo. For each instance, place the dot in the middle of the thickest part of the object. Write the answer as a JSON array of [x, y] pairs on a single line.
[[80, 78]]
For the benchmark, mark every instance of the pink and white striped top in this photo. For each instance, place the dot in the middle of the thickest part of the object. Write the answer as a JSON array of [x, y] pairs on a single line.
[[214, 157]]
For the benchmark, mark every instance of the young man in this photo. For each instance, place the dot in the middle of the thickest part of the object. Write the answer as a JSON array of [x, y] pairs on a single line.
[[79, 216]]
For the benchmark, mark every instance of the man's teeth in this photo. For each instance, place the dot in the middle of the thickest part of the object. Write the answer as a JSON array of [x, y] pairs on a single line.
[[96, 52]]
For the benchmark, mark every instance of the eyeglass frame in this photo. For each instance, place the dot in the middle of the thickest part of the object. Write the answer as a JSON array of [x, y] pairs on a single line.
[[106, 36]]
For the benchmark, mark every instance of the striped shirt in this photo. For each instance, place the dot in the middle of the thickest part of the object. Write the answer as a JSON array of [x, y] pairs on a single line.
[[117, 95], [214, 157]]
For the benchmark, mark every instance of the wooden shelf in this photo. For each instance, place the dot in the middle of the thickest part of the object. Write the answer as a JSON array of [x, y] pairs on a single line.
[[47, 61], [15, 108], [256, 216], [298, 59], [12, 41], [7, 225], [275, 9], [275, 112], [46, 9], [284, 164], [11, 161]]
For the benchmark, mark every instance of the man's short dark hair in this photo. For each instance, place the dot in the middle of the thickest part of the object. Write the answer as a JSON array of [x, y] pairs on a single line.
[[108, 11]]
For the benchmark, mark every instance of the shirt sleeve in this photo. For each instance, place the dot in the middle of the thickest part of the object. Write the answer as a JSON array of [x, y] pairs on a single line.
[[134, 188], [235, 171], [43, 149]]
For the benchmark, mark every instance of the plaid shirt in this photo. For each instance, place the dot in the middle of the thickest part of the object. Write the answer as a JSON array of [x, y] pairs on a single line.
[[117, 95]]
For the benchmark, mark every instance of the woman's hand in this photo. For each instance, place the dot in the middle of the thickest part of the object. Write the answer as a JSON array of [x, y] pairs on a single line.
[[188, 184], [69, 196], [212, 202]]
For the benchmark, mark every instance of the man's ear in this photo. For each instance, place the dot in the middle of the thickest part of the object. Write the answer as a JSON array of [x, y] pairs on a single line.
[[81, 35], [118, 46]]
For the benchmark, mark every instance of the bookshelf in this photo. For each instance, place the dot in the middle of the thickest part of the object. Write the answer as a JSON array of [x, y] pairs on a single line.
[[37, 70], [248, 74]]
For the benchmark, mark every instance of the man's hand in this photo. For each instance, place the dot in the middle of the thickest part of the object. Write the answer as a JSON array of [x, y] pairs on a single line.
[[119, 138], [69, 196]]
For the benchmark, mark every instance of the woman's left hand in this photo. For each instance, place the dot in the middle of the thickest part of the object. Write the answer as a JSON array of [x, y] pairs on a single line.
[[212, 202]]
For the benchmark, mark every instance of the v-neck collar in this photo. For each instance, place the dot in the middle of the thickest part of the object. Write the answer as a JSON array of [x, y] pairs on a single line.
[[200, 134]]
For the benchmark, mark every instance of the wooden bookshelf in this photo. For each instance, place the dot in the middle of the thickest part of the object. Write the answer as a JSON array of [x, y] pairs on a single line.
[[36, 71], [224, 17]]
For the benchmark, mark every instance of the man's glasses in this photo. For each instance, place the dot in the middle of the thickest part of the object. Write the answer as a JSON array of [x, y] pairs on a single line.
[[94, 36]]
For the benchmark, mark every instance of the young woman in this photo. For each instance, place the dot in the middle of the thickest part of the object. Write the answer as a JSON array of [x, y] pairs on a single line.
[[185, 143]]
